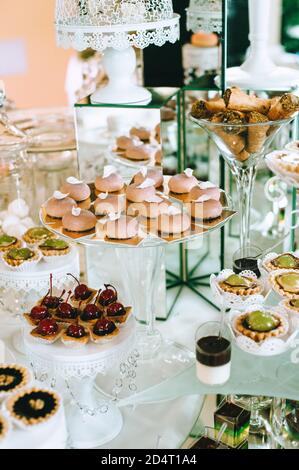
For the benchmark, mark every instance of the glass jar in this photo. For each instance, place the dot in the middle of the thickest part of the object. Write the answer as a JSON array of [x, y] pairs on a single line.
[[17, 191]]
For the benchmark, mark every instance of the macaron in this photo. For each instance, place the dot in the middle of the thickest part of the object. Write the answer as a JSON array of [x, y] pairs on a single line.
[[109, 203], [182, 183], [155, 175], [207, 189], [110, 181], [174, 224], [123, 228], [143, 133], [206, 210], [79, 220], [76, 189], [139, 193], [58, 205], [140, 152]]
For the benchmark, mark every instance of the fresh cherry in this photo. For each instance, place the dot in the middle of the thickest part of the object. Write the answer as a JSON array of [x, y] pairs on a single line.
[[47, 327], [115, 310], [104, 327], [76, 331], [40, 312], [66, 310], [108, 295], [81, 292]]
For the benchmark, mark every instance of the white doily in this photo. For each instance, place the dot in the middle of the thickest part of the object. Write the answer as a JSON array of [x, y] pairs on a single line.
[[269, 347], [228, 299], [99, 24], [58, 360], [205, 15], [275, 287]]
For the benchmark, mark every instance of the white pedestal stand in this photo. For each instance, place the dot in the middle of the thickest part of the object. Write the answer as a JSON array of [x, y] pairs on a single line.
[[259, 72], [91, 422]]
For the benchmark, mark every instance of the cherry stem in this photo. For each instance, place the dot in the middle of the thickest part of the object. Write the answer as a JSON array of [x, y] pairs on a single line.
[[69, 274], [62, 294], [113, 288], [51, 284], [97, 297], [69, 294], [46, 296]]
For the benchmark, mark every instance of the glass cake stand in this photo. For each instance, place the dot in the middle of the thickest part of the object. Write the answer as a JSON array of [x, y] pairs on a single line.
[[165, 358], [243, 146]]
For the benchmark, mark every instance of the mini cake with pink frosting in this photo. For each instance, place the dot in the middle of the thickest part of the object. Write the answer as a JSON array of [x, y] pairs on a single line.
[[124, 142], [121, 227], [182, 183], [205, 208], [79, 220], [59, 204], [141, 192], [140, 152], [174, 221], [76, 189], [150, 209], [142, 133], [109, 203], [110, 181], [153, 174], [205, 188]]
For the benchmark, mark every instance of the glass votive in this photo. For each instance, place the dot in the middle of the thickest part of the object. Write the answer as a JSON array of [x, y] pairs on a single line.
[[246, 258], [213, 353]]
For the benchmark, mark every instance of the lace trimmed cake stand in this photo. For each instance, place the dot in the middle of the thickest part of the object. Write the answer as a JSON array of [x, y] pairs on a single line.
[[91, 422], [20, 290], [116, 28]]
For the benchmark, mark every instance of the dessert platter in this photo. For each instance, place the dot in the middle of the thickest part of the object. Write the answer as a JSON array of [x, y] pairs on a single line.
[[29, 412], [72, 337], [149, 211]]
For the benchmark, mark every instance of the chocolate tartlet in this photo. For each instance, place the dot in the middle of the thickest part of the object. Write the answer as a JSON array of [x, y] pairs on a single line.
[[13, 377], [47, 331], [34, 406], [260, 325], [118, 313], [4, 428], [240, 285], [37, 314], [7, 243]]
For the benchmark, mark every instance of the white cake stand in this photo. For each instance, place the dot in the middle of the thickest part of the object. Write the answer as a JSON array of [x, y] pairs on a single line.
[[20, 290], [91, 422]]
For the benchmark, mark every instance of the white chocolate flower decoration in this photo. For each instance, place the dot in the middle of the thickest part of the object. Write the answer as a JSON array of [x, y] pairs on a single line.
[[188, 172], [146, 184], [76, 211], [73, 180], [59, 195]]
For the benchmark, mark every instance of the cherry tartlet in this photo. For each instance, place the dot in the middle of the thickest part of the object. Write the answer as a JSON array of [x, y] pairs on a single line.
[[47, 331], [107, 296], [37, 314], [118, 313], [83, 295], [50, 301], [75, 336], [66, 312], [104, 330]]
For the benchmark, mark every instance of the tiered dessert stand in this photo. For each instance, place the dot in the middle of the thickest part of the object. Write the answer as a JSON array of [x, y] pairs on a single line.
[[91, 422], [163, 358]]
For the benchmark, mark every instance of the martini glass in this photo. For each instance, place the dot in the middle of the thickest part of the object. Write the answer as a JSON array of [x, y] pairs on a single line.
[[243, 146]]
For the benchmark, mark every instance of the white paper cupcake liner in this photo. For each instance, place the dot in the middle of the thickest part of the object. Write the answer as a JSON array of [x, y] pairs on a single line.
[[26, 266], [54, 259]]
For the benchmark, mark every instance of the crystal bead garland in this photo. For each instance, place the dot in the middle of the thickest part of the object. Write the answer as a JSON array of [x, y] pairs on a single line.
[[204, 15]]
